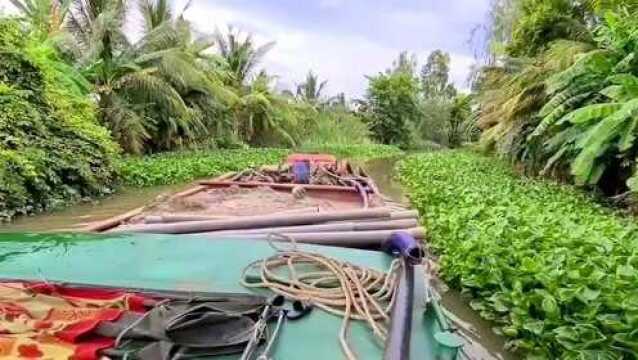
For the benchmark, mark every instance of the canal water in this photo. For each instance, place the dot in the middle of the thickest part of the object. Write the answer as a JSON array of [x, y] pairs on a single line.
[[78, 215], [481, 342]]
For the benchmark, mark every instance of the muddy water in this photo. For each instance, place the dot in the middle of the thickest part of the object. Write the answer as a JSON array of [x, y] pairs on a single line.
[[124, 200], [481, 342]]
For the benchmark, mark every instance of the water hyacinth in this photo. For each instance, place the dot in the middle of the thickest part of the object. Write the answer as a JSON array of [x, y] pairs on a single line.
[[180, 167], [553, 269]]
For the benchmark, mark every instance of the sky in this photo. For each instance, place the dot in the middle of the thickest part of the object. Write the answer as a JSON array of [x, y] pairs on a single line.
[[344, 40]]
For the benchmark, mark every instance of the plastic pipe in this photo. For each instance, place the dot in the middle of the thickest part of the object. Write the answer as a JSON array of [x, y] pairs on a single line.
[[406, 214], [403, 244], [167, 219], [351, 239], [158, 219], [251, 222], [344, 226]]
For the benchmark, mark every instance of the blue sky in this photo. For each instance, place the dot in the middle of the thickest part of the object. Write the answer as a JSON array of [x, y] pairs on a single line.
[[344, 40]]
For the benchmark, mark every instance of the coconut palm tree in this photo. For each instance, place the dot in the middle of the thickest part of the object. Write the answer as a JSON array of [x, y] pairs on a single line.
[[193, 70], [45, 16], [161, 92], [241, 54], [311, 90], [129, 79]]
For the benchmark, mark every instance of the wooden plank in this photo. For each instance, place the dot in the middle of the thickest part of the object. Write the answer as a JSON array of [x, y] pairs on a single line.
[[114, 221]]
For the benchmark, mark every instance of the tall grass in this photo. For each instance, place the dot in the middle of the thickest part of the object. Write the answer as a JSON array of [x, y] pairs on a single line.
[[335, 127]]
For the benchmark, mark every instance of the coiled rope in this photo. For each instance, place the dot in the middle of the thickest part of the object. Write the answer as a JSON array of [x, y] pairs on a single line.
[[341, 288]]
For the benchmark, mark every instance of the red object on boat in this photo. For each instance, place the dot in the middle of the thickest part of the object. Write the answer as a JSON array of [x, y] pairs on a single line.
[[315, 159], [41, 320]]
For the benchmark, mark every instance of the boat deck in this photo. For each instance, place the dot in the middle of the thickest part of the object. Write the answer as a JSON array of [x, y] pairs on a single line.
[[193, 263]]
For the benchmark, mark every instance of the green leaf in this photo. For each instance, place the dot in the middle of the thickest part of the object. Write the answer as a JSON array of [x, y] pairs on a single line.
[[591, 112], [586, 294], [601, 138], [550, 307]]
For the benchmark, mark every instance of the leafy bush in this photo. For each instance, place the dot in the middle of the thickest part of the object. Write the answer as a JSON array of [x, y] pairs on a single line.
[[393, 107], [554, 270], [334, 126], [52, 151], [360, 152], [563, 107], [178, 167], [589, 122]]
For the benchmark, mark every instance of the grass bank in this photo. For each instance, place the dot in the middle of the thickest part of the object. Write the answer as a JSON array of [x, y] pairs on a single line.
[[555, 270]]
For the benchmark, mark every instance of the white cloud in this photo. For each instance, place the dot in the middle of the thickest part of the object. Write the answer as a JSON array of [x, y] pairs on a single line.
[[8, 9], [342, 59], [460, 67], [331, 4]]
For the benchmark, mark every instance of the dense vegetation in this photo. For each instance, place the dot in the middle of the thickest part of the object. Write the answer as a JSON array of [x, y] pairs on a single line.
[[52, 149], [417, 111], [560, 92], [354, 152], [176, 87], [74, 86], [554, 270], [180, 167]]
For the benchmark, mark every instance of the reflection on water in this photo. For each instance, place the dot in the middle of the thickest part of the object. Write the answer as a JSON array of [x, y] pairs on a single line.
[[481, 341], [124, 200]]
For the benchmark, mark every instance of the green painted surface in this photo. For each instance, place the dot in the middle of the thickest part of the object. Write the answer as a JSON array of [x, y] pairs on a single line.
[[192, 263]]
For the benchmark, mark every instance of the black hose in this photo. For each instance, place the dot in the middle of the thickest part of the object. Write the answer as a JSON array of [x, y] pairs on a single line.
[[398, 343], [409, 250]]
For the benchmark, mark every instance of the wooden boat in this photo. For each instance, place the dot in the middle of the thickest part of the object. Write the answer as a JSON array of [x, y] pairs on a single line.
[[337, 204]]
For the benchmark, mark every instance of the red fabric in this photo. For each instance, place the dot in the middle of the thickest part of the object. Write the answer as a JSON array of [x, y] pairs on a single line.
[[89, 350], [85, 309], [134, 301], [137, 303], [74, 332], [30, 351]]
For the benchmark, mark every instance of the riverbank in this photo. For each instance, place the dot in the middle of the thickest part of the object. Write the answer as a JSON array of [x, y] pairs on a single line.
[[551, 267]]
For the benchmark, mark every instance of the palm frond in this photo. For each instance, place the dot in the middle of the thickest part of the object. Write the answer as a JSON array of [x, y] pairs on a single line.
[[154, 90]]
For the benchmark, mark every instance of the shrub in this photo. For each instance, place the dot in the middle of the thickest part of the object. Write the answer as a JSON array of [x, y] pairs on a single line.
[[358, 152], [555, 270], [52, 151], [335, 126], [393, 107]]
